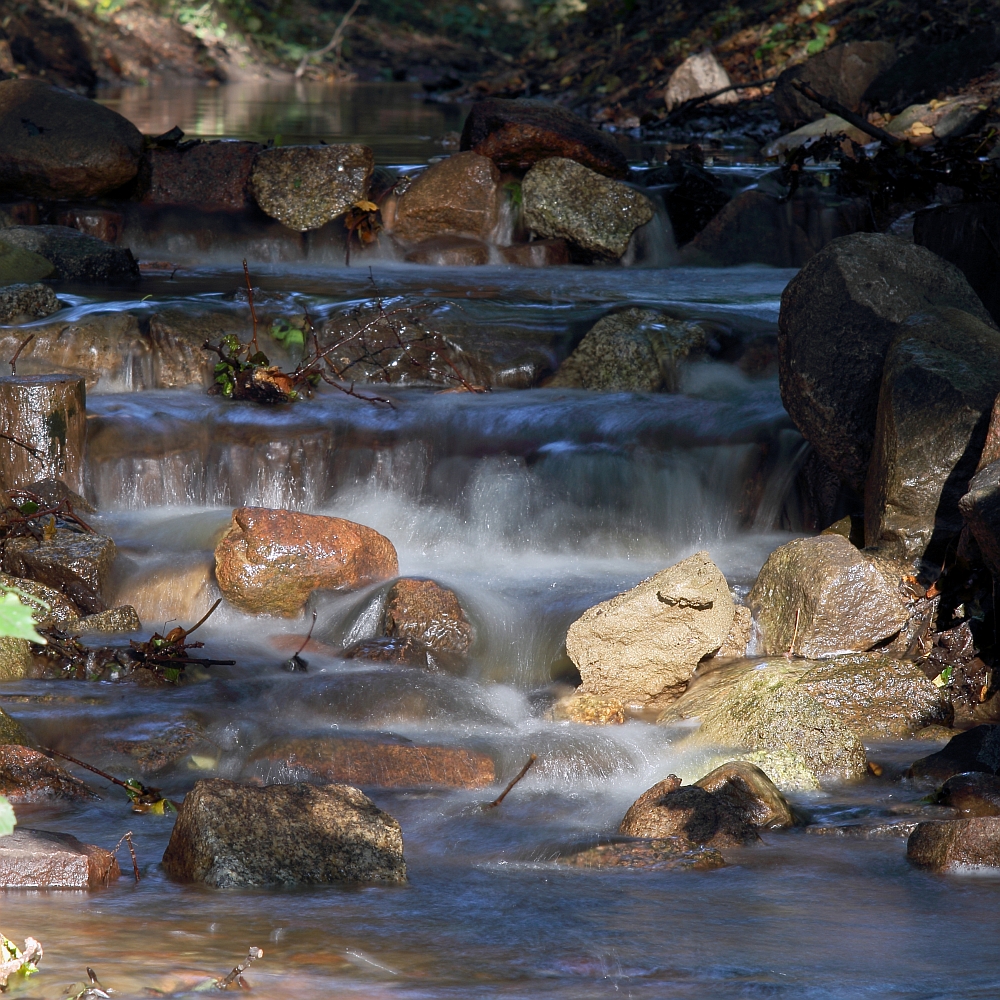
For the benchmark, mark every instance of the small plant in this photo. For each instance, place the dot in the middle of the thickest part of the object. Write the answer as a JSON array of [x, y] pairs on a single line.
[[15, 962], [7, 818]]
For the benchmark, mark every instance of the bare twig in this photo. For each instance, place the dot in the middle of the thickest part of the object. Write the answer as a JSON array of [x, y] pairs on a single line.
[[252, 955], [835, 108], [795, 633], [253, 311], [201, 621], [127, 839], [33, 452], [338, 37], [520, 774], [24, 343], [692, 102]]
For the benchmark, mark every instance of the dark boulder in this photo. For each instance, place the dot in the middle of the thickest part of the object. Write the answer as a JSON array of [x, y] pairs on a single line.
[[209, 176], [972, 794], [981, 509], [76, 256], [975, 750]]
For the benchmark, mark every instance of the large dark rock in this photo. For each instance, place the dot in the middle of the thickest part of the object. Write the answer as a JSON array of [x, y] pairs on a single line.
[[981, 509], [49, 46], [956, 843], [975, 750], [516, 134], [209, 176], [37, 859], [972, 794], [967, 234], [230, 835], [55, 144], [76, 256], [838, 318], [939, 382]]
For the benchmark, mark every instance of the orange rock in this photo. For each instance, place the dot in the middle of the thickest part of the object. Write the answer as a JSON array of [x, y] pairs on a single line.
[[428, 613], [270, 561]]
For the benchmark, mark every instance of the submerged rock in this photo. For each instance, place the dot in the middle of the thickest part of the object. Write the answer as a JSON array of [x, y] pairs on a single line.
[[272, 560], [55, 144], [37, 859], [29, 776], [972, 794], [820, 596], [697, 76], [956, 843], [589, 709], [651, 637], [977, 750], [229, 835], [562, 199], [450, 250], [429, 614], [22, 303], [76, 256], [660, 854]]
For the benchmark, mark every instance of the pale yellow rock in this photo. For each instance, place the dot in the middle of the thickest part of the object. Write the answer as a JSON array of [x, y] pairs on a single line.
[[829, 125], [590, 709]]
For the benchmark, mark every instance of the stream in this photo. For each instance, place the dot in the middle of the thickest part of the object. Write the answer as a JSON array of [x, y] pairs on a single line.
[[532, 505]]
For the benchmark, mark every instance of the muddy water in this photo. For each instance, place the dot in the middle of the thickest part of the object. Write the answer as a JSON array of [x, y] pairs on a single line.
[[532, 505]]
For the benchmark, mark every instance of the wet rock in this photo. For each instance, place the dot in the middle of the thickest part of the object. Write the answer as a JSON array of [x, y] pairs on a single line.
[[843, 72], [458, 195], [746, 791], [229, 835], [874, 829], [940, 379], [450, 251], [367, 762], [11, 731], [935, 733], [975, 750], [23, 303], [828, 125], [15, 658], [37, 859], [651, 637], [122, 619], [101, 223], [516, 134], [76, 563], [305, 187], [956, 843], [661, 854], [697, 76], [208, 176], [76, 256], [589, 709], [564, 200], [19, 266], [29, 776], [838, 319], [392, 652], [429, 614], [538, 253], [167, 591], [981, 509], [153, 754], [52, 492], [270, 561], [972, 794], [740, 633], [789, 771], [692, 195], [55, 144], [820, 596], [922, 124]]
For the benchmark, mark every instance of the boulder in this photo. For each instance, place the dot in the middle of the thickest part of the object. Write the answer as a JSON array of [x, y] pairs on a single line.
[[208, 176], [516, 134], [55, 144], [305, 187], [976, 750], [450, 250], [37, 859], [15, 657], [697, 76], [981, 509], [956, 843], [562, 199], [23, 303], [76, 256], [839, 316], [76, 563], [827, 125], [651, 637], [662, 854], [429, 614], [972, 794], [29, 776], [820, 596], [939, 381], [11, 732], [19, 267], [367, 762], [270, 561], [843, 72], [460, 194], [229, 835]]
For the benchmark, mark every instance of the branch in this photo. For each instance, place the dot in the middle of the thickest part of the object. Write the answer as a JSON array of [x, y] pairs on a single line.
[[13, 361], [33, 452], [338, 37], [835, 108], [692, 102], [520, 775]]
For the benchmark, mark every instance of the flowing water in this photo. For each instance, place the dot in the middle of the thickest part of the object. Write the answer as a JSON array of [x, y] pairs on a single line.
[[532, 505]]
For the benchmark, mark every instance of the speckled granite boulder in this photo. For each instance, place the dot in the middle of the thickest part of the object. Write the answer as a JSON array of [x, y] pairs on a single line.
[[20, 303], [76, 256]]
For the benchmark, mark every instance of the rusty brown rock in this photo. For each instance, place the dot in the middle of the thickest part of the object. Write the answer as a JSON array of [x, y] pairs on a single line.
[[37, 859], [458, 195], [270, 561], [956, 843], [101, 223], [428, 613], [29, 776], [450, 250], [210, 176]]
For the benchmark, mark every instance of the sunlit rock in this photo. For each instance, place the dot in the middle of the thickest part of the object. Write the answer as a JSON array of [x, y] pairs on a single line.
[[956, 843], [697, 76], [122, 619], [15, 657], [589, 709], [38, 859], [29, 776], [76, 256], [428, 613]]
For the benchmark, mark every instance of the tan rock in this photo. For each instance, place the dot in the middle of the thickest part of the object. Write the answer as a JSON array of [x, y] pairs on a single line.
[[270, 561], [37, 859], [652, 637], [738, 638], [590, 709], [171, 592], [29, 776], [697, 76]]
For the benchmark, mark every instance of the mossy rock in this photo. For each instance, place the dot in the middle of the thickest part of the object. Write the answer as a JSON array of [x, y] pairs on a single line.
[[11, 731], [17, 265]]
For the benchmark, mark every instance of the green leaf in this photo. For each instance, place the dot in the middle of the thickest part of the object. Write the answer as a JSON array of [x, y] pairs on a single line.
[[260, 358], [7, 818], [16, 620], [28, 508]]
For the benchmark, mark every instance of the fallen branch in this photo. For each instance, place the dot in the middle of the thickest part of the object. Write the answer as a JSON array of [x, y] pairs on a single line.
[[13, 361], [338, 37], [836, 108], [237, 974], [127, 839], [144, 798], [693, 102], [520, 774]]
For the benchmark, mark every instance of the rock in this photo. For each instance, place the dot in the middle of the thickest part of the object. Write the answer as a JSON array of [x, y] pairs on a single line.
[[393, 652], [697, 76], [935, 734], [55, 144], [966, 234], [305, 187], [740, 633], [229, 835], [369, 762], [458, 195], [22, 303], [872, 829], [956, 843], [122, 619], [662, 854], [15, 657], [692, 195], [789, 771], [450, 251], [11, 731], [101, 223], [76, 563], [272, 560], [516, 134], [37, 859], [922, 124], [29, 776], [589, 709], [940, 379], [972, 794], [828, 125], [748, 792], [820, 596], [429, 614], [842, 72], [76, 256], [52, 492], [208, 176], [154, 754], [651, 637], [981, 509], [762, 707], [18, 266], [167, 591], [839, 316], [564, 200], [538, 253], [977, 750]]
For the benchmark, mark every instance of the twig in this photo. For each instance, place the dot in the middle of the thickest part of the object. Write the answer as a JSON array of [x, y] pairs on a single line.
[[795, 633], [24, 343], [305, 641], [834, 107], [520, 775], [127, 839], [208, 614], [33, 452], [692, 102], [252, 955], [253, 311], [338, 37]]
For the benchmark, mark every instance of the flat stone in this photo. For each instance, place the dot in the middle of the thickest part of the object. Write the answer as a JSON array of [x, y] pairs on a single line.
[[29, 776], [61, 609], [76, 256], [828, 125], [874, 829], [209, 176], [52, 492], [37, 859], [661, 854], [123, 619], [23, 303], [956, 843]]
